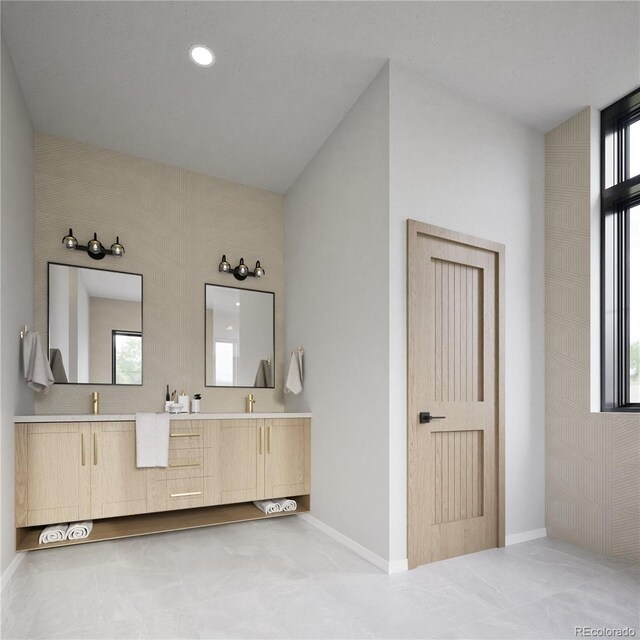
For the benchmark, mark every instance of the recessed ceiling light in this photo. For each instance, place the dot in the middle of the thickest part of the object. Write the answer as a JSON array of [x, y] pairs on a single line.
[[202, 56], [237, 304], [230, 328]]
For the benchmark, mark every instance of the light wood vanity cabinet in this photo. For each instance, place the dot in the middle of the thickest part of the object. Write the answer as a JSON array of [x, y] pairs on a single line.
[[256, 459], [181, 484], [73, 471], [53, 473], [118, 487], [77, 471]]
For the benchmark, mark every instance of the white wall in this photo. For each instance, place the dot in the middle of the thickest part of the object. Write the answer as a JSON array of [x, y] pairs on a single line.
[[16, 283], [59, 312], [256, 335], [458, 165], [337, 308], [83, 330]]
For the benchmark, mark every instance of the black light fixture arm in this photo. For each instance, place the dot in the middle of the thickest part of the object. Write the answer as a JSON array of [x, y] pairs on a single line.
[[241, 272]]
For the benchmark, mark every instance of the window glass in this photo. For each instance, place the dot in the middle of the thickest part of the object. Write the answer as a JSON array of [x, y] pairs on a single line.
[[634, 304], [634, 149], [128, 358]]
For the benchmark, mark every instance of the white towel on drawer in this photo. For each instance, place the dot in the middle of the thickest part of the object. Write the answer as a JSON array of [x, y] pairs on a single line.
[[54, 533], [268, 506], [287, 504], [79, 530], [152, 439]]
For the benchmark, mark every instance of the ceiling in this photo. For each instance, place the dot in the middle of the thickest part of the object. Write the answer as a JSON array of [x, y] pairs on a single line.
[[116, 74]]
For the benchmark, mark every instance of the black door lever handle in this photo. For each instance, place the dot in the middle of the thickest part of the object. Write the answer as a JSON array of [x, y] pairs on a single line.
[[425, 416]]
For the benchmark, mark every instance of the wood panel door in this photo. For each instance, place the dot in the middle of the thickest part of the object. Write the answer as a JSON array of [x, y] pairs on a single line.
[[118, 487], [53, 473], [287, 458], [236, 461], [455, 374]]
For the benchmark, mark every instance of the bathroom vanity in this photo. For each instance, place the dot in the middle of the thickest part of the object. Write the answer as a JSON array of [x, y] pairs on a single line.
[[72, 468]]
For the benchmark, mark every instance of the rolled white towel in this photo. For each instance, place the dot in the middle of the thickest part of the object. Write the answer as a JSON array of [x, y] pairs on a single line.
[[79, 530], [268, 506], [287, 504], [54, 533]]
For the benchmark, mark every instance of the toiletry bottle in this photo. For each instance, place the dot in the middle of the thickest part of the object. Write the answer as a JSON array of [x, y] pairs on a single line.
[[167, 400], [195, 403]]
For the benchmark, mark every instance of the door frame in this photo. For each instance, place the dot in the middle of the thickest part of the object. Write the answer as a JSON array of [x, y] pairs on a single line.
[[416, 228]]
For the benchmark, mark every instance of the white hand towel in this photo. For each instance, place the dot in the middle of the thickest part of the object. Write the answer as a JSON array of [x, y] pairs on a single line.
[[287, 504], [79, 530], [37, 372], [294, 376], [152, 439], [54, 533], [268, 506]]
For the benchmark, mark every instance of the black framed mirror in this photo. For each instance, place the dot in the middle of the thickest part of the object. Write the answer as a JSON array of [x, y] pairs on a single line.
[[239, 337], [94, 325]]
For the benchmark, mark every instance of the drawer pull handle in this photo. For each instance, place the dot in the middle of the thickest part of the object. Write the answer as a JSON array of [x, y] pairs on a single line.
[[95, 448], [184, 465], [268, 439], [184, 495], [82, 445], [260, 440], [184, 435]]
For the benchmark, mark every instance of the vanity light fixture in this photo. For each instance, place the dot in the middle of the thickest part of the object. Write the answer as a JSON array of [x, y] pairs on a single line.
[[241, 271], [94, 247]]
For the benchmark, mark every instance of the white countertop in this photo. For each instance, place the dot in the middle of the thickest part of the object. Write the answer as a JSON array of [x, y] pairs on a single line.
[[174, 416]]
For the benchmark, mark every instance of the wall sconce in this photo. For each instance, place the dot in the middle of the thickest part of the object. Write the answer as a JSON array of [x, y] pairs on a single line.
[[241, 271], [94, 247]]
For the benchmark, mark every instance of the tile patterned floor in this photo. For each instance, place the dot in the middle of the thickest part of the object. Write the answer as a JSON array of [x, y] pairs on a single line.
[[282, 578]]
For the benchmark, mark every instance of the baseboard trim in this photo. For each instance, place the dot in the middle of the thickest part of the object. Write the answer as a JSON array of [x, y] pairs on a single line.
[[11, 569], [363, 552], [525, 536]]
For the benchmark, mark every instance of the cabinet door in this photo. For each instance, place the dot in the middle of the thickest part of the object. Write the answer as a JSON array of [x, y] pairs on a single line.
[[53, 472], [287, 458], [118, 487], [234, 461]]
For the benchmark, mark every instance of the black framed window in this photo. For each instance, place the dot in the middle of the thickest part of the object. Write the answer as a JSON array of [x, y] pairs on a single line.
[[620, 232], [126, 357]]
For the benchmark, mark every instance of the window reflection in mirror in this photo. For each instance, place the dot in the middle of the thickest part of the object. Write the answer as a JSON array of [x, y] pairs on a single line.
[[239, 337], [95, 326]]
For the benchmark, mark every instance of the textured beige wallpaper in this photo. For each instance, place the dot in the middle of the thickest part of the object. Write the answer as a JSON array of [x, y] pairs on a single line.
[[592, 459], [175, 226]]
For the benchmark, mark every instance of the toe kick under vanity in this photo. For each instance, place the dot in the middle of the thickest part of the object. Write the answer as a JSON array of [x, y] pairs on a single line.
[[73, 468]]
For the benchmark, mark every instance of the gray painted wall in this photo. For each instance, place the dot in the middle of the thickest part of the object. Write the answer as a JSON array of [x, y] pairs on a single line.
[[16, 278], [337, 308], [459, 165]]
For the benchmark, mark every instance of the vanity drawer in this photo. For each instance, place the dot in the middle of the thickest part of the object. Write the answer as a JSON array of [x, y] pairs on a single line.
[[180, 493], [185, 434], [183, 463]]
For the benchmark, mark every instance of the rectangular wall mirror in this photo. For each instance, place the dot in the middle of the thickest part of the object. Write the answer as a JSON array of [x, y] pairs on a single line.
[[95, 326], [239, 337]]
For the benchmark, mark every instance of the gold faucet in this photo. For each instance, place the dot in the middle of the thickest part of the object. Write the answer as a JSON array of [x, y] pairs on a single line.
[[250, 402], [95, 403]]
